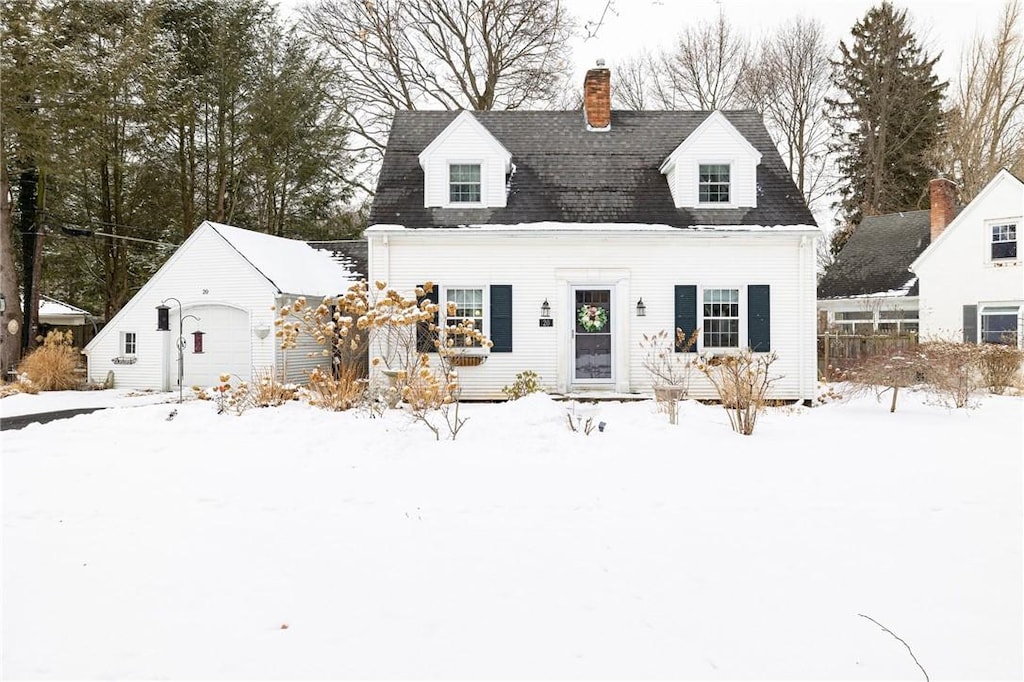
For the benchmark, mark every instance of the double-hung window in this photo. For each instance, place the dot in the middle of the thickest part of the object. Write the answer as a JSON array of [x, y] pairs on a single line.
[[1004, 241], [128, 343], [713, 183], [721, 308], [1000, 324], [464, 183], [465, 307]]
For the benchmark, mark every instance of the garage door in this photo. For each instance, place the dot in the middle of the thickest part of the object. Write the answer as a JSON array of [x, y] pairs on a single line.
[[226, 346]]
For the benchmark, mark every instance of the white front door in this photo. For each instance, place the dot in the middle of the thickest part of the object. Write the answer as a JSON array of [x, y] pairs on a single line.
[[592, 341]]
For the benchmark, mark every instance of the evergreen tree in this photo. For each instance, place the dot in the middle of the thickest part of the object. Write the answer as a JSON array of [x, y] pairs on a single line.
[[887, 118]]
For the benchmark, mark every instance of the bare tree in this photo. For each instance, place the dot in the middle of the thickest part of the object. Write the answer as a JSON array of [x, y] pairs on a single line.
[[787, 82], [986, 122], [634, 82], [448, 54], [705, 70]]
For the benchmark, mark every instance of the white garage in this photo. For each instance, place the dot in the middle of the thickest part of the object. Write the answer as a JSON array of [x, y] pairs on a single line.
[[215, 297], [217, 341]]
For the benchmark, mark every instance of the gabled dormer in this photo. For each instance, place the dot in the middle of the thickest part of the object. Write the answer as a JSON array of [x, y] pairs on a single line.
[[465, 167], [714, 167]]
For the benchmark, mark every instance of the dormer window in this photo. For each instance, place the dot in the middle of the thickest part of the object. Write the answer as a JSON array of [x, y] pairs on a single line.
[[713, 183], [464, 183], [1004, 242]]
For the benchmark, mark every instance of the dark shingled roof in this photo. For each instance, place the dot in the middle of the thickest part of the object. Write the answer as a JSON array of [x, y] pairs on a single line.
[[877, 255], [565, 173], [351, 254]]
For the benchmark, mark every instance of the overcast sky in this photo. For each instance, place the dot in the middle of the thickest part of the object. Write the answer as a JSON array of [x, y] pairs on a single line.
[[633, 25]]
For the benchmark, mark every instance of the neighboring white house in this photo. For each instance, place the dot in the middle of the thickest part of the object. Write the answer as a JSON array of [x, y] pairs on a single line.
[[972, 274], [221, 286], [869, 288], [656, 220]]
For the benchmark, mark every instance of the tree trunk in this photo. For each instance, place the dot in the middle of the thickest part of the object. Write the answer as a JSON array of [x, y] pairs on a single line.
[[31, 250], [11, 319]]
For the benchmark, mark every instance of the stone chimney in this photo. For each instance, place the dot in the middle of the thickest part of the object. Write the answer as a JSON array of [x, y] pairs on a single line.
[[597, 97], [942, 196]]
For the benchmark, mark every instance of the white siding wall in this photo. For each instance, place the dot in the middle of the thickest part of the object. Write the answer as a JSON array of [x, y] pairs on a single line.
[[960, 272], [203, 271], [644, 265], [307, 355], [466, 143], [716, 143]]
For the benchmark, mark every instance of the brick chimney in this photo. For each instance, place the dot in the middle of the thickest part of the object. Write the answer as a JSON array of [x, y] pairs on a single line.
[[942, 196], [597, 97]]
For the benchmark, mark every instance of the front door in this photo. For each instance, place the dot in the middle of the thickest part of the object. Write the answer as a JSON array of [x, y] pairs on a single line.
[[592, 336]]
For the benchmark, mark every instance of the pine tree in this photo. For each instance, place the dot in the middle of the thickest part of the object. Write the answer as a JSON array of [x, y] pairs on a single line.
[[887, 118]]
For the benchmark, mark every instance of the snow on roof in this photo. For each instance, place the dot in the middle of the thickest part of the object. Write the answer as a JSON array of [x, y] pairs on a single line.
[[52, 307], [293, 266]]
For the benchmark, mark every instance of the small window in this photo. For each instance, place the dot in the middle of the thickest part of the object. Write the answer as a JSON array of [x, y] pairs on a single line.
[[1004, 242], [464, 183], [721, 318], [713, 186], [1000, 325], [465, 306], [128, 343]]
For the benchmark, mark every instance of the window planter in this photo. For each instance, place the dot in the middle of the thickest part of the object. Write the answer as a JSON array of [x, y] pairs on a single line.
[[467, 360]]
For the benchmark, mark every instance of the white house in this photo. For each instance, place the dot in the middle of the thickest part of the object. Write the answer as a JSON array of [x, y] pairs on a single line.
[[971, 275], [869, 288], [220, 287], [655, 220]]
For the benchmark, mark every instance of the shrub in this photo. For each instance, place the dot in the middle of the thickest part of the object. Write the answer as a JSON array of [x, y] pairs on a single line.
[[1000, 366], [669, 370], [51, 366], [952, 371], [526, 382], [267, 391], [887, 372], [742, 381], [338, 393]]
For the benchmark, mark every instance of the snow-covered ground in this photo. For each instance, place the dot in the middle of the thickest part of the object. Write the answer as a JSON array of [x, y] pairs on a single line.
[[293, 543]]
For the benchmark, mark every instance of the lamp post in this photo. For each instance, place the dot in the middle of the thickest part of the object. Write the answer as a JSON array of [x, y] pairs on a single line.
[[163, 325]]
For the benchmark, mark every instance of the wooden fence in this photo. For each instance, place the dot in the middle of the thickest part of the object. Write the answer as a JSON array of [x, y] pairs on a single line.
[[840, 351]]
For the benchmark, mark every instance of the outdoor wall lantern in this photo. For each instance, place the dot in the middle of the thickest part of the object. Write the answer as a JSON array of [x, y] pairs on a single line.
[[641, 309], [545, 309]]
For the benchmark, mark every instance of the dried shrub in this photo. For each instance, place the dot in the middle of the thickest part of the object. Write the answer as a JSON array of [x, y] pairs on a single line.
[[526, 382], [952, 371], [742, 381], [887, 372], [20, 385], [51, 366], [1001, 367], [267, 391], [669, 369], [338, 393]]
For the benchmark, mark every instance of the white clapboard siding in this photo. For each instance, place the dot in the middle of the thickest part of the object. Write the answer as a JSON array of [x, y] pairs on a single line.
[[715, 141], [205, 273], [640, 264], [465, 141], [957, 268]]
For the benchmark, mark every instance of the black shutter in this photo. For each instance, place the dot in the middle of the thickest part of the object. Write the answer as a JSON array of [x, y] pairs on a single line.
[[686, 313], [970, 324], [424, 337], [759, 318], [501, 318]]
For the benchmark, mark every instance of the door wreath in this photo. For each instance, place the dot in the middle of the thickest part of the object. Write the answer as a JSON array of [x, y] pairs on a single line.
[[592, 318]]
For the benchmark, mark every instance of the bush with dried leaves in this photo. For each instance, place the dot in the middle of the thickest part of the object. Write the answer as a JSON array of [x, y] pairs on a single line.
[[742, 381], [51, 366]]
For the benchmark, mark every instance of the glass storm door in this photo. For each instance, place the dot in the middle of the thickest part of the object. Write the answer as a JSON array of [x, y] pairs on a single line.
[[592, 335]]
